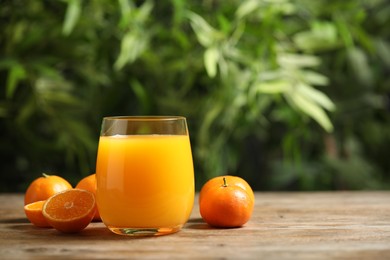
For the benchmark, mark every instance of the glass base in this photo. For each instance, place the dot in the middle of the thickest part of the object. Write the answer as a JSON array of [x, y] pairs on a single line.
[[143, 232]]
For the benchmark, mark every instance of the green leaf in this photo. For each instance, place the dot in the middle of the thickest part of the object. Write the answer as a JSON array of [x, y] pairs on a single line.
[[144, 11], [125, 8], [224, 23], [142, 96], [321, 36], [132, 45], [208, 120], [71, 16], [237, 33], [269, 75], [56, 93], [288, 60], [383, 50], [359, 62], [205, 33], [15, 74], [272, 87], [26, 111], [315, 96], [325, 31], [310, 108], [135, 40], [345, 33], [211, 57], [247, 7], [315, 78], [286, 8]]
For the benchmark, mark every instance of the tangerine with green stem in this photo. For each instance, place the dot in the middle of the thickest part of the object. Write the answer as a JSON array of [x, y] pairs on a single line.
[[232, 180], [226, 205], [44, 187]]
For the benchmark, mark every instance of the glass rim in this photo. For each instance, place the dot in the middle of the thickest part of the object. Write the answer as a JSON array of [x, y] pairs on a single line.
[[145, 118]]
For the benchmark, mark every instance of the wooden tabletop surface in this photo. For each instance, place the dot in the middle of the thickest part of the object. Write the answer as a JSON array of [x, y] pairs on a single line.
[[315, 225]]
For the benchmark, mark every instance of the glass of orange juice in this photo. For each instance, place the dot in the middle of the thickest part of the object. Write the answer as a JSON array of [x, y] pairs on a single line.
[[145, 175]]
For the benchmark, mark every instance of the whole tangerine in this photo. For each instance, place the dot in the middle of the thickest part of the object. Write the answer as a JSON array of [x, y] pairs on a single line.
[[44, 187], [89, 183], [226, 205], [232, 180]]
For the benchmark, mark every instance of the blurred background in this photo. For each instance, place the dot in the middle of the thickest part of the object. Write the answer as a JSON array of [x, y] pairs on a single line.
[[290, 95]]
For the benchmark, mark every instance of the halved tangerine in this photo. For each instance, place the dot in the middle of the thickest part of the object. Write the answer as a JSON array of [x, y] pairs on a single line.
[[71, 210], [33, 212], [89, 183]]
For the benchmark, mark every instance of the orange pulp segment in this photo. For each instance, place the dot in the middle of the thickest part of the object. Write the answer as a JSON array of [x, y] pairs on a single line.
[[71, 210], [33, 212], [89, 183]]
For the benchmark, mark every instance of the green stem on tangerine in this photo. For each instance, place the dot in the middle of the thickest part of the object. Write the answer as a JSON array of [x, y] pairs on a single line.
[[224, 182], [45, 175]]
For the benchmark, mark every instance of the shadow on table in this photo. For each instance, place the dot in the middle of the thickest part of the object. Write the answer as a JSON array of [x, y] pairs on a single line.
[[14, 221], [200, 224], [197, 223], [96, 231]]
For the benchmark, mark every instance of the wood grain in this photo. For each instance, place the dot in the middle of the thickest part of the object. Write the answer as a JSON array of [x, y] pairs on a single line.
[[326, 225]]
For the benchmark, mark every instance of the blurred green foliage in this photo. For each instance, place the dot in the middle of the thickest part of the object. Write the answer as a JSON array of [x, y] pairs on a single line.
[[290, 95]]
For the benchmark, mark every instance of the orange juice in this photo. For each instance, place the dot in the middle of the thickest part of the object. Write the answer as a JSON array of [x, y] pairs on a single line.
[[145, 181]]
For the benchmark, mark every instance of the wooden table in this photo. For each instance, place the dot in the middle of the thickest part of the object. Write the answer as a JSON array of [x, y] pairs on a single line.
[[324, 225]]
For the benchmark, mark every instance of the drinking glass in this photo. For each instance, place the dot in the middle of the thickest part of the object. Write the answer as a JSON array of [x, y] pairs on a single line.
[[145, 175]]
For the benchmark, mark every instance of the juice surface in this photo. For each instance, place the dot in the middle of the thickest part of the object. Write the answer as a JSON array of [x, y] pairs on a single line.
[[145, 180]]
